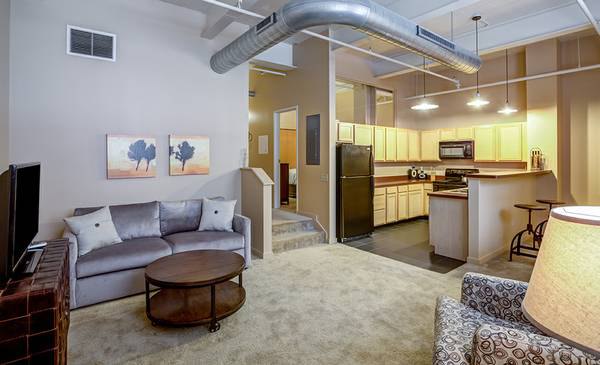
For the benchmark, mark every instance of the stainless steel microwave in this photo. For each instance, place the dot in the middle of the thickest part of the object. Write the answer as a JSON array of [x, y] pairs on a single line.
[[456, 150]]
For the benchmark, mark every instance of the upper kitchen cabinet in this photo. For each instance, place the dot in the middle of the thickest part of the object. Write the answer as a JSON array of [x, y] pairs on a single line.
[[485, 143], [363, 134], [379, 143], [430, 145], [414, 146], [390, 144], [465, 133], [448, 134], [524, 146], [345, 132], [510, 142], [401, 145]]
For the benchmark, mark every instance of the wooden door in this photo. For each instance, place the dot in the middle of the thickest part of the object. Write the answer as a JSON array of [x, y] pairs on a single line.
[[390, 144], [485, 143], [345, 132], [363, 134], [379, 143]]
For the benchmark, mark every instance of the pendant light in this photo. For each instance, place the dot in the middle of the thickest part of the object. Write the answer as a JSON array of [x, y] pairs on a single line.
[[477, 101], [507, 108], [424, 104]]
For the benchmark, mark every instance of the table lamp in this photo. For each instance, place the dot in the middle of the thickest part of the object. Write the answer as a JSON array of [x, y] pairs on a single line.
[[563, 297]]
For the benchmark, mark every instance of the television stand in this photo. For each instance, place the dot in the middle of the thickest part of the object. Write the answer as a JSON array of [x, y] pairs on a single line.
[[32, 260]]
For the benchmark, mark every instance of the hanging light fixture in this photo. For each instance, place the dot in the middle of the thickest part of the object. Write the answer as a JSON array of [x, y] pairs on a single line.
[[477, 101], [424, 104], [507, 108]]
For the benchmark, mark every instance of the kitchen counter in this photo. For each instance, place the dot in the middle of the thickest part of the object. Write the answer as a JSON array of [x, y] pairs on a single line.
[[506, 174], [461, 193], [385, 181]]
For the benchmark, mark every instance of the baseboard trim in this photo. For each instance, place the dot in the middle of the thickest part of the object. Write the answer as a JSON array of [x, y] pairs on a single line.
[[486, 258]]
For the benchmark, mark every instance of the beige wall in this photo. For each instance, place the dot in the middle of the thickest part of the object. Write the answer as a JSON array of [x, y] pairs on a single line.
[[62, 106], [579, 125], [344, 106], [4, 82], [308, 88]]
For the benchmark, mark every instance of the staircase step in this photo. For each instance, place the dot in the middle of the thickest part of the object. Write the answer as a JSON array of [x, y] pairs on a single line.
[[292, 226], [293, 240]]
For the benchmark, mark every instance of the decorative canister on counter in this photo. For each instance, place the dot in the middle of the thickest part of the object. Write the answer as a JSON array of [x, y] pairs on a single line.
[[536, 158]]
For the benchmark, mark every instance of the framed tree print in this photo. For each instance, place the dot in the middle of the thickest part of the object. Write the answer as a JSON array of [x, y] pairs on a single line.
[[189, 155]]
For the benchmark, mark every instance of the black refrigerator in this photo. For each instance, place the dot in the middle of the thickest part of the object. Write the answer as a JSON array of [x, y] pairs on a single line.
[[355, 188]]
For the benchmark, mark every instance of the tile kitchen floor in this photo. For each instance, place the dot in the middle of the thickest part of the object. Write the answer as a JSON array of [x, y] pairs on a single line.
[[407, 242]]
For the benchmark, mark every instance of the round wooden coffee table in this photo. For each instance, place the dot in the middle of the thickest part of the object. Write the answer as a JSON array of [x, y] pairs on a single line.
[[194, 288]]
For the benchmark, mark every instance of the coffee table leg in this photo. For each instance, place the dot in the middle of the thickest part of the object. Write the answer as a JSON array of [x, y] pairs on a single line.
[[240, 280], [148, 302], [214, 325]]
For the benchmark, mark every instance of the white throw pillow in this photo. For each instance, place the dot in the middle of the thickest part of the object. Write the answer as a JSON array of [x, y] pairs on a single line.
[[217, 215], [93, 230]]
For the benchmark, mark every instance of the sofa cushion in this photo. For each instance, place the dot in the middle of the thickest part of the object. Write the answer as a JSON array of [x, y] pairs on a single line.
[[455, 326], [132, 220], [94, 230], [180, 216], [217, 215], [205, 240], [130, 254]]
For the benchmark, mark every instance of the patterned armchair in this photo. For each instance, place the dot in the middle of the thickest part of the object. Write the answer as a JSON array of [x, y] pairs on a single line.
[[487, 326]]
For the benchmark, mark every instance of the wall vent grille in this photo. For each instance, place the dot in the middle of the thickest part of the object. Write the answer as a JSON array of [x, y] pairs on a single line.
[[91, 43]]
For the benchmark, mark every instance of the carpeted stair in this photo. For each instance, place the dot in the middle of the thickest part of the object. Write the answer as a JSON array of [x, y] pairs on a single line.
[[291, 231]]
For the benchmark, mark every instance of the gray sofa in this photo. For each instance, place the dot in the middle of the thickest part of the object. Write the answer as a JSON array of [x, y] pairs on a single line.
[[149, 231], [488, 326]]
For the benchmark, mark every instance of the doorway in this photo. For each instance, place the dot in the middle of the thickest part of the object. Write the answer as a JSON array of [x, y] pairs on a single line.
[[285, 158]]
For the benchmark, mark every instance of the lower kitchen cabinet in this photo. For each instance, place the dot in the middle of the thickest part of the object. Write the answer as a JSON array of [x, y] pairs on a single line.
[[379, 213], [427, 188], [391, 205], [402, 205], [415, 203]]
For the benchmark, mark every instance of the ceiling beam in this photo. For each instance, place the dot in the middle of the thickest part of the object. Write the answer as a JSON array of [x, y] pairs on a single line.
[[589, 15], [221, 19], [348, 35], [520, 31]]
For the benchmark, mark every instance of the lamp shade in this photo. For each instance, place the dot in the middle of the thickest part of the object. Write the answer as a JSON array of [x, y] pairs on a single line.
[[563, 297]]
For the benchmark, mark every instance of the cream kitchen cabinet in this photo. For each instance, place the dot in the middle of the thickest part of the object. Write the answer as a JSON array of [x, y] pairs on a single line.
[[391, 205], [401, 144], [448, 134], [414, 145], [510, 142], [345, 132], [390, 144], [379, 201], [363, 134], [379, 143], [427, 188], [485, 143], [430, 145], [465, 133], [524, 147], [402, 202], [415, 202]]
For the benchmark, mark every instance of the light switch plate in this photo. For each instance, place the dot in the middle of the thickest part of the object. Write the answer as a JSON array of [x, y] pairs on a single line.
[[324, 177]]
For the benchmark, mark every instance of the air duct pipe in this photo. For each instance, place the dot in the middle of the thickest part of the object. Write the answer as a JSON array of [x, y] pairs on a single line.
[[364, 15]]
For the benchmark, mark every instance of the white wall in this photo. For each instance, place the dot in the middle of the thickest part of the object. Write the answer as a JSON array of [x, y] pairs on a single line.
[[4, 81], [62, 106]]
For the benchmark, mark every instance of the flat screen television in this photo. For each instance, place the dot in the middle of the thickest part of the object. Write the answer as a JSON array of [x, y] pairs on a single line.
[[19, 214]]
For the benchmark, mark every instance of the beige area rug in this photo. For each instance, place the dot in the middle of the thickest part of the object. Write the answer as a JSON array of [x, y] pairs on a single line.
[[326, 304]]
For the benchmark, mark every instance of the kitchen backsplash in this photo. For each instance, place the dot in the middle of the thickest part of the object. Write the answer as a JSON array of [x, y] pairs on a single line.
[[387, 169]]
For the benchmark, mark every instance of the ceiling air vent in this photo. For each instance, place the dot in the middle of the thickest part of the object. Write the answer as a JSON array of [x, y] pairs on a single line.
[[435, 38], [91, 43]]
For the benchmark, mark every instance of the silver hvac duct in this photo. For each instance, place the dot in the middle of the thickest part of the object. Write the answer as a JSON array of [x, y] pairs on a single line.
[[365, 15]]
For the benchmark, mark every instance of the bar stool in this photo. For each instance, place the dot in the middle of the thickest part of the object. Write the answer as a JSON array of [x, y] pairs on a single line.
[[516, 245], [541, 227]]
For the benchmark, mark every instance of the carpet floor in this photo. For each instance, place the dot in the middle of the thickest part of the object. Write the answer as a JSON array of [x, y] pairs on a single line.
[[326, 304]]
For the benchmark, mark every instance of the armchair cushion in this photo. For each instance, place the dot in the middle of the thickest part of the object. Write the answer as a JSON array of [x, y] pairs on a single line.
[[496, 297], [493, 344], [455, 325]]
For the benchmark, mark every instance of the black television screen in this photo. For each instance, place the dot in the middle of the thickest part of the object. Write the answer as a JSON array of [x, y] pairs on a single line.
[[20, 214]]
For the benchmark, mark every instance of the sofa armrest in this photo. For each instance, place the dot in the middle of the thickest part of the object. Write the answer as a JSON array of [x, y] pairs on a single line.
[[496, 297], [241, 225], [73, 254], [494, 344]]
